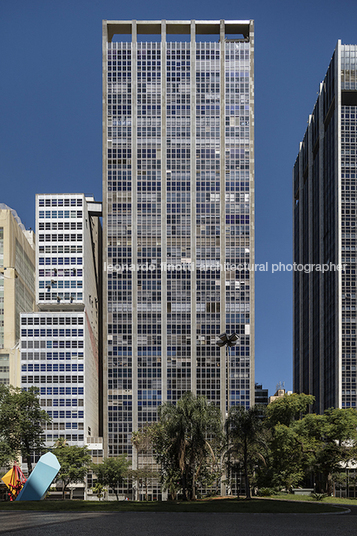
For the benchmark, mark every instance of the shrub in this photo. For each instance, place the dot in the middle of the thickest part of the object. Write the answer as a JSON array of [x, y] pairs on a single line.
[[266, 492], [318, 496]]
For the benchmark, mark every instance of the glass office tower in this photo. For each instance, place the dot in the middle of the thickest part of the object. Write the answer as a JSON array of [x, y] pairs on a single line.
[[178, 199], [324, 182]]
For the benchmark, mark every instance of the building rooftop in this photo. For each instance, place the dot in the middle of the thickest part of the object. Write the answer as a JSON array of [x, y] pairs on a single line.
[[178, 27]]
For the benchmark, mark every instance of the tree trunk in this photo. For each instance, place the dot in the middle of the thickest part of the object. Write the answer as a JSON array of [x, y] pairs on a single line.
[[246, 477], [329, 484], [247, 486], [29, 464], [184, 486], [137, 469]]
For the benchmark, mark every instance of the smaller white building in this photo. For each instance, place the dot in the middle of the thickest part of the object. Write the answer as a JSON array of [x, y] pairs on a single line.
[[57, 356], [59, 344]]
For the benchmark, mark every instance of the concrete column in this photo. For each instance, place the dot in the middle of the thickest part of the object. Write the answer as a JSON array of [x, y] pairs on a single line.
[[251, 213], [299, 274], [338, 208], [105, 234], [163, 223], [309, 238], [320, 408], [134, 237], [193, 209], [163, 215], [222, 148]]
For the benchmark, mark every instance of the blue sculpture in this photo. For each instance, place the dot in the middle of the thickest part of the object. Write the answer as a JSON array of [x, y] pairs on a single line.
[[37, 484]]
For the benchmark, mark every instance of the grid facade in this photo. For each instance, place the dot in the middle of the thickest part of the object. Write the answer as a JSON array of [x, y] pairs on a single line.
[[348, 222], [60, 221], [178, 195], [60, 351], [52, 359], [324, 232]]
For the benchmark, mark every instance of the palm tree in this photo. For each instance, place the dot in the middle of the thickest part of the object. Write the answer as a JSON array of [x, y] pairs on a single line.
[[246, 439], [187, 427], [141, 439]]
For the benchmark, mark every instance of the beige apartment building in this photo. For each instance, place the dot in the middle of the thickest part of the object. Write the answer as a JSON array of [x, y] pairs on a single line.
[[17, 289]]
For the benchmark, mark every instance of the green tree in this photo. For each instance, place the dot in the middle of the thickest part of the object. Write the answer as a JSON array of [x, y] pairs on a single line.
[[75, 462], [333, 439], [99, 490], [288, 408], [112, 471], [289, 454], [7, 456], [143, 476], [307, 443], [286, 460], [246, 439], [186, 438], [21, 422], [142, 441], [172, 483]]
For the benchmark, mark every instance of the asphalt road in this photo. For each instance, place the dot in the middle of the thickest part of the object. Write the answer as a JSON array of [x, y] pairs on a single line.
[[175, 524]]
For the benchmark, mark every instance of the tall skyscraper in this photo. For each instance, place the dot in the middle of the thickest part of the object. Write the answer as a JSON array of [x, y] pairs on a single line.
[[178, 217], [17, 289], [60, 349], [324, 183]]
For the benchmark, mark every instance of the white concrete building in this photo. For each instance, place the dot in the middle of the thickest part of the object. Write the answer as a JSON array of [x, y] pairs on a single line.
[[59, 344], [17, 289]]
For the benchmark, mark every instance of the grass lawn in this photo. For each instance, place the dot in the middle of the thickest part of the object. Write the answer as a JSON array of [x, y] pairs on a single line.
[[256, 505], [335, 500]]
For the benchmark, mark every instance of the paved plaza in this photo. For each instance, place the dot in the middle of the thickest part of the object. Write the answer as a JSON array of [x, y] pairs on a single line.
[[176, 524]]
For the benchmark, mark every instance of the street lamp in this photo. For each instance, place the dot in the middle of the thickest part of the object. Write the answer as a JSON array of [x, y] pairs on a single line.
[[228, 341]]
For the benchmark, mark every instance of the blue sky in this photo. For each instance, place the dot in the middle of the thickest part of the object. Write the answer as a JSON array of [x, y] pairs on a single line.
[[51, 106]]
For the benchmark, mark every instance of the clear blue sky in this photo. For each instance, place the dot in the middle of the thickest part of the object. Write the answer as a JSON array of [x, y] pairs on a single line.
[[51, 106]]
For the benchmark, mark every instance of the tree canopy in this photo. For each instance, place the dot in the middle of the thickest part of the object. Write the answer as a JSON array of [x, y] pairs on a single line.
[[111, 472], [245, 432], [307, 447], [331, 439], [185, 440], [21, 424], [75, 462], [286, 409]]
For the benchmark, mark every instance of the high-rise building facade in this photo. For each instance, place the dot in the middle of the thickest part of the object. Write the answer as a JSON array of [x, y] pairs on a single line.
[[60, 347], [17, 289], [324, 183], [178, 217], [261, 395]]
